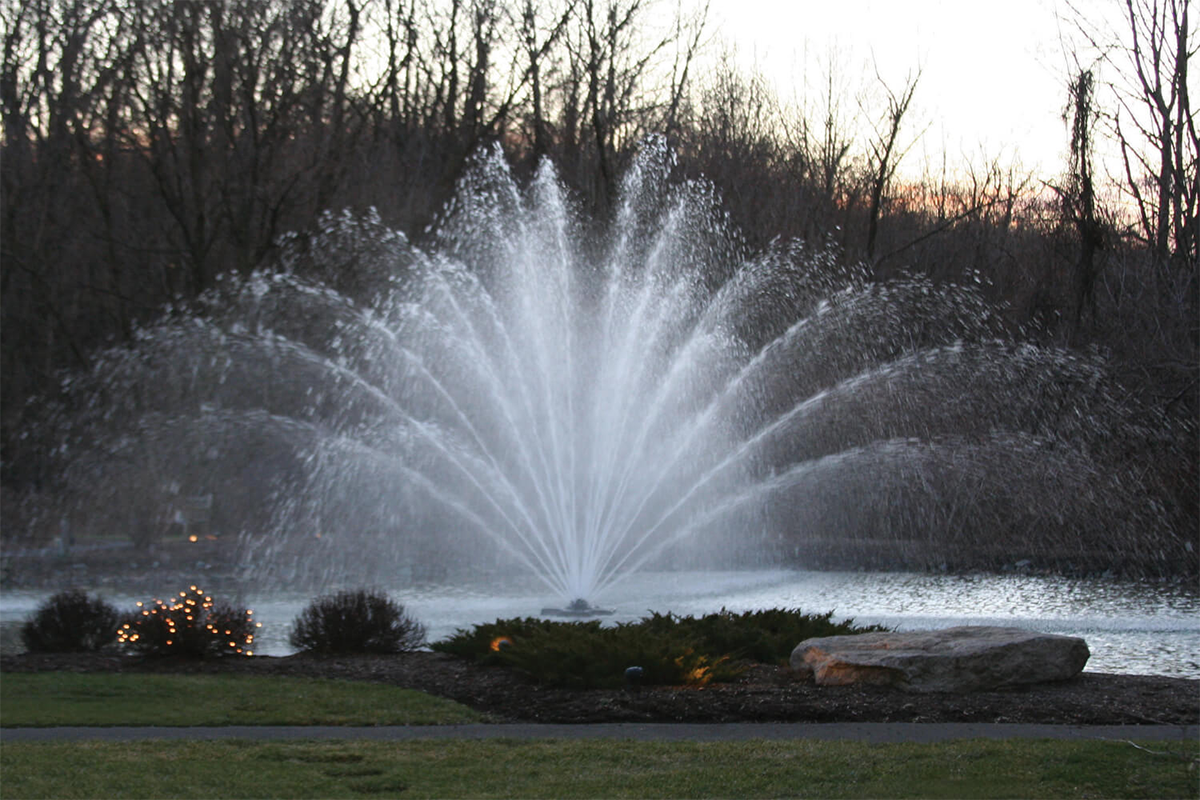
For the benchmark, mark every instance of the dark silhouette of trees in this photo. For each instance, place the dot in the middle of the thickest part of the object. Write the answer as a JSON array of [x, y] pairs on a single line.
[[150, 147], [1148, 292]]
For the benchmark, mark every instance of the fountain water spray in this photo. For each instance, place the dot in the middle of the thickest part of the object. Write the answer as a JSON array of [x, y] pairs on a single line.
[[518, 392]]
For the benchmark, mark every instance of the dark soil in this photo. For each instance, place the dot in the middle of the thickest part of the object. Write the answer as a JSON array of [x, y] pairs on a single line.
[[762, 694]]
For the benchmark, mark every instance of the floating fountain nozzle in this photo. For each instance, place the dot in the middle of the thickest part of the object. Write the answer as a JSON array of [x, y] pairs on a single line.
[[577, 608]]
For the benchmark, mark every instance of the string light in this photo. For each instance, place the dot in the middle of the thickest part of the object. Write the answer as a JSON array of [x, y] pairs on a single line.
[[197, 610]]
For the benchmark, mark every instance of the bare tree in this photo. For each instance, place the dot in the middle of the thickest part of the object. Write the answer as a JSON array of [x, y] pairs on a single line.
[[689, 33], [616, 57], [1151, 121], [539, 38], [885, 151], [836, 138], [1155, 117]]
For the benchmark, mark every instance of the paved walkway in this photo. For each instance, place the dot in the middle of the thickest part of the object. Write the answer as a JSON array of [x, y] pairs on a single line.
[[876, 732]]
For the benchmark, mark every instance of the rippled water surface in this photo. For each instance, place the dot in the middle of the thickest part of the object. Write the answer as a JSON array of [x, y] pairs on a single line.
[[1130, 627]]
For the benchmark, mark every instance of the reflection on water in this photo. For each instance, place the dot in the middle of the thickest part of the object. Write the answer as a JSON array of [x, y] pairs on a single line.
[[1130, 627]]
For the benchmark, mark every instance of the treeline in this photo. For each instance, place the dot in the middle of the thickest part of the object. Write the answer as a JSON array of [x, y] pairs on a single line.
[[150, 146]]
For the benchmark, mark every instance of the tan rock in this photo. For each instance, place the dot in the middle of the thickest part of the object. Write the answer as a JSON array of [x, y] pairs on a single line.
[[963, 659]]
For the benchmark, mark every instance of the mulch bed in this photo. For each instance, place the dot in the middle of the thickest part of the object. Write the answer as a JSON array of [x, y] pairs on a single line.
[[762, 694]]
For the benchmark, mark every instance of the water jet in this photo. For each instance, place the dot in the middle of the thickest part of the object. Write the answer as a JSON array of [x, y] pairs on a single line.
[[515, 396]]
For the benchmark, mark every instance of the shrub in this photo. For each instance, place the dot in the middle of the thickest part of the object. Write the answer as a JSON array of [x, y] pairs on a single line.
[[483, 643], [70, 622], [767, 637], [587, 655], [670, 650], [356, 622], [191, 625], [578, 657]]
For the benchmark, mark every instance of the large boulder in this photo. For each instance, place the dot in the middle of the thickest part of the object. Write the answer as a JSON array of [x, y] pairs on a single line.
[[964, 659]]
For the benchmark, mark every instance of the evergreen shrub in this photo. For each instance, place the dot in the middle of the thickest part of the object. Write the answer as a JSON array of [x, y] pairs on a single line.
[[765, 637], [670, 650], [485, 643]]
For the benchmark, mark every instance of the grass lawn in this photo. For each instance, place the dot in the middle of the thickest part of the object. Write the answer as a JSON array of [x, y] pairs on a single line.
[[507, 768], [504, 768], [65, 698]]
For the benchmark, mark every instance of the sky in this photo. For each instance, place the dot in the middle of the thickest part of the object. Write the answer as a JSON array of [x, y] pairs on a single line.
[[993, 77]]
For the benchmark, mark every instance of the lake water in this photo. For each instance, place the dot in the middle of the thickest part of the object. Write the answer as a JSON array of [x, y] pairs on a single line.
[[1148, 628]]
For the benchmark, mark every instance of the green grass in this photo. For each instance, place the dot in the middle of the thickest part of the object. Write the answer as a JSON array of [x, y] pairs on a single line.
[[507, 768], [64, 698]]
